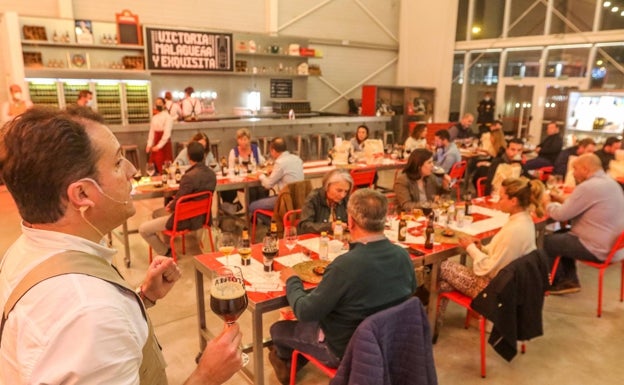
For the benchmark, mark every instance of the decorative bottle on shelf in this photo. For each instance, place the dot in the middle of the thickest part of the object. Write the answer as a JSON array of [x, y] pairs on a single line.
[[429, 233], [402, 236], [324, 247]]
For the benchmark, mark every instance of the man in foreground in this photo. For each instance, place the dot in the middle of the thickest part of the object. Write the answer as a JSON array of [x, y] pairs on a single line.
[[78, 321], [374, 275], [595, 209]]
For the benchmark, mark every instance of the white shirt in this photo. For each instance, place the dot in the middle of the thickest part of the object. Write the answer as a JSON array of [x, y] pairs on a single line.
[[288, 168], [71, 329], [515, 239], [174, 109], [162, 121], [190, 105]]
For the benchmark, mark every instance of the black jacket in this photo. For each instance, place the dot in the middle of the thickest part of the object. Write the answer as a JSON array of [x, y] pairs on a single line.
[[551, 147], [197, 178], [513, 301]]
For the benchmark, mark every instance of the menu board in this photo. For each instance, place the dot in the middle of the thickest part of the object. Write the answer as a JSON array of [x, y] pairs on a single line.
[[281, 88], [183, 50]]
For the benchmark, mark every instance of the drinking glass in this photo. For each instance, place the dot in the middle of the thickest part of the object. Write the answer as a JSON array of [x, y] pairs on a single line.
[[150, 169], [137, 176], [290, 237], [270, 249], [227, 244], [228, 298]]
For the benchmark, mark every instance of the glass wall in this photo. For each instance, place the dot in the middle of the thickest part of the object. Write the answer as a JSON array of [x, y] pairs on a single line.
[[523, 63], [462, 20], [487, 22], [527, 18], [482, 78], [572, 16], [612, 14], [456, 86], [570, 62], [608, 68]]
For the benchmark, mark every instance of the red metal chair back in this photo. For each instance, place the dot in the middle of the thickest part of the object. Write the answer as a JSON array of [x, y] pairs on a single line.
[[292, 218], [363, 177]]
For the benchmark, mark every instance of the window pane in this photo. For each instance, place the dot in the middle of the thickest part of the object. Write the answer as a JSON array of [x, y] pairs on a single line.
[[612, 15], [456, 87], [462, 20], [578, 13], [484, 70], [488, 19], [523, 63], [570, 62], [604, 73], [532, 23]]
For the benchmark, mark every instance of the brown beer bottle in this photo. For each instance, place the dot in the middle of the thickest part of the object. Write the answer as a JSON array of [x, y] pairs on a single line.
[[245, 248], [402, 228], [429, 233]]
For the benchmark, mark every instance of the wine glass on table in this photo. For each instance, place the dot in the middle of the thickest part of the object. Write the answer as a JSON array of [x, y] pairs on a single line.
[[150, 169], [290, 237], [228, 298], [227, 244]]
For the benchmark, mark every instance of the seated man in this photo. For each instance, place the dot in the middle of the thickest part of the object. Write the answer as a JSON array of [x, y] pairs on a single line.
[[512, 157], [586, 145], [594, 208], [196, 179], [288, 168], [463, 129], [374, 275], [607, 153], [447, 153], [548, 149]]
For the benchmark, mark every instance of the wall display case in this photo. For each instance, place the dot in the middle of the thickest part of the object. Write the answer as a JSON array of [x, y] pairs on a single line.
[[44, 93], [407, 105]]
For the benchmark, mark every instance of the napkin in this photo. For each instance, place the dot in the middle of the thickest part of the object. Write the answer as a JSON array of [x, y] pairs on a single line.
[[292, 259], [254, 274]]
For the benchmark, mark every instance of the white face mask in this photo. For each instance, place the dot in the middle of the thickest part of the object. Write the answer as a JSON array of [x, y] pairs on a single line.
[[89, 103], [17, 96]]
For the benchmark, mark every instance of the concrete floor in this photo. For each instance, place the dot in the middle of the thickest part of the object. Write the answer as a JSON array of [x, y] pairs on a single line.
[[577, 347]]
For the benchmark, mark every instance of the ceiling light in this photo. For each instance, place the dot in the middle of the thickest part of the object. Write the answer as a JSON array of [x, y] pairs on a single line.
[[615, 9], [476, 30], [607, 4]]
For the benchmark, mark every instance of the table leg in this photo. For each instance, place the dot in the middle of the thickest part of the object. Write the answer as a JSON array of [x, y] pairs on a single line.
[[432, 308], [201, 308], [258, 345]]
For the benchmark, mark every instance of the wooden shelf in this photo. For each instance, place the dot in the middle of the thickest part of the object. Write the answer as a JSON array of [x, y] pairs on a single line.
[[118, 47]]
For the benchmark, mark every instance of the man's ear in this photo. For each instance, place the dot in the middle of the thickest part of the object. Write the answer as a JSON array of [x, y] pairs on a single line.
[[78, 196]]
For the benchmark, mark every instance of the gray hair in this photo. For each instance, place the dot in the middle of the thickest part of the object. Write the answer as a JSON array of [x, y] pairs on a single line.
[[337, 175], [368, 208]]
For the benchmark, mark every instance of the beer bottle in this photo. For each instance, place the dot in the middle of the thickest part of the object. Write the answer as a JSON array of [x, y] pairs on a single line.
[[324, 247], [402, 228], [245, 248], [164, 177], [224, 166], [429, 233], [178, 173], [468, 199]]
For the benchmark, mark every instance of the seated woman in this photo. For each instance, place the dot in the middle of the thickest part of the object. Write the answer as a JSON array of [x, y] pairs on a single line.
[[361, 134], [241, 155], [327, 204], [416, 184], [518, 196], [417, 138], [493, 144], [183, 159]]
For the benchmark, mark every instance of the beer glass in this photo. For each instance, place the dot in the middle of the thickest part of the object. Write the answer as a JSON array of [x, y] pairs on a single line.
[[270, 249], [228, 298]]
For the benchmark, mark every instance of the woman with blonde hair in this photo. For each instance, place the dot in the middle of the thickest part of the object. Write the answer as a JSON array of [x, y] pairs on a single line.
[[518, 198]]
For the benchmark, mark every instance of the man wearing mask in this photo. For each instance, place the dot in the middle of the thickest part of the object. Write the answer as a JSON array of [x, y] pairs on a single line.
[[15, 105], [485, 116], [159, 137], [85, 98]]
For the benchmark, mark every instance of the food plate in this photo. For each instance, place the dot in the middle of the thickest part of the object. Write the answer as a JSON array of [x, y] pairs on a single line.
[[310, 271]]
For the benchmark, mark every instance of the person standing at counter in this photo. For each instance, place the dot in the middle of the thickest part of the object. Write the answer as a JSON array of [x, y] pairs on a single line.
[[173, 108], [85, 98], [288, 168], [191, 107], [15, 105], [327, 204], [415, 184], [159, 136]]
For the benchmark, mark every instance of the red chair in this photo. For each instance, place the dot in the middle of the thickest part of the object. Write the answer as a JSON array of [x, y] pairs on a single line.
[[363, 177], [481, 186], [254, 221], [292, 218], [619, 244], [189, 206], [544, 172], [331, 372], [464, 301], [457, 173]]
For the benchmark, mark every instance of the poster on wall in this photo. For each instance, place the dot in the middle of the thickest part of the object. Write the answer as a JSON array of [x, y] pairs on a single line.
[[183, 50]]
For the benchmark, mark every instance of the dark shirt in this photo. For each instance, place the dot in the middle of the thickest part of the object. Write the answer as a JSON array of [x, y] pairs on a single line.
[[369, 278], [196, 179], [486, 111], [315, 213], [551, 147], [459, 132], [561, 163], [605, 158]]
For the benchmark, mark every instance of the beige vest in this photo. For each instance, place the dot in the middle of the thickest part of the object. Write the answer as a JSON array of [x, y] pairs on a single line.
[[152, 370]]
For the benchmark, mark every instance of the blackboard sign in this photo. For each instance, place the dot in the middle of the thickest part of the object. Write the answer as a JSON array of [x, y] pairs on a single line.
[[128, 28], [176, 50], [281, 88]]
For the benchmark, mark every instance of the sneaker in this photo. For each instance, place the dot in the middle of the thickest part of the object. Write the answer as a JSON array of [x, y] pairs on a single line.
[[280, 367], [565, 287]]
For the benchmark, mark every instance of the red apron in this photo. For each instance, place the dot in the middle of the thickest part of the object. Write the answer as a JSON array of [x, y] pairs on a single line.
[[158, 157]]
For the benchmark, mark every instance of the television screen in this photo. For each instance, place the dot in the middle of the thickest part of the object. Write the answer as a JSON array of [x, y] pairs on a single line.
[[596, 111]]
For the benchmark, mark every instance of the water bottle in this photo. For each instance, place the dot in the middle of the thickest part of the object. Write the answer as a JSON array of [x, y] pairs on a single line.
[[338, 230]]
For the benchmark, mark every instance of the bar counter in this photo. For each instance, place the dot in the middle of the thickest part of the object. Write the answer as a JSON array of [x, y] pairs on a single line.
[[223, 128]]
